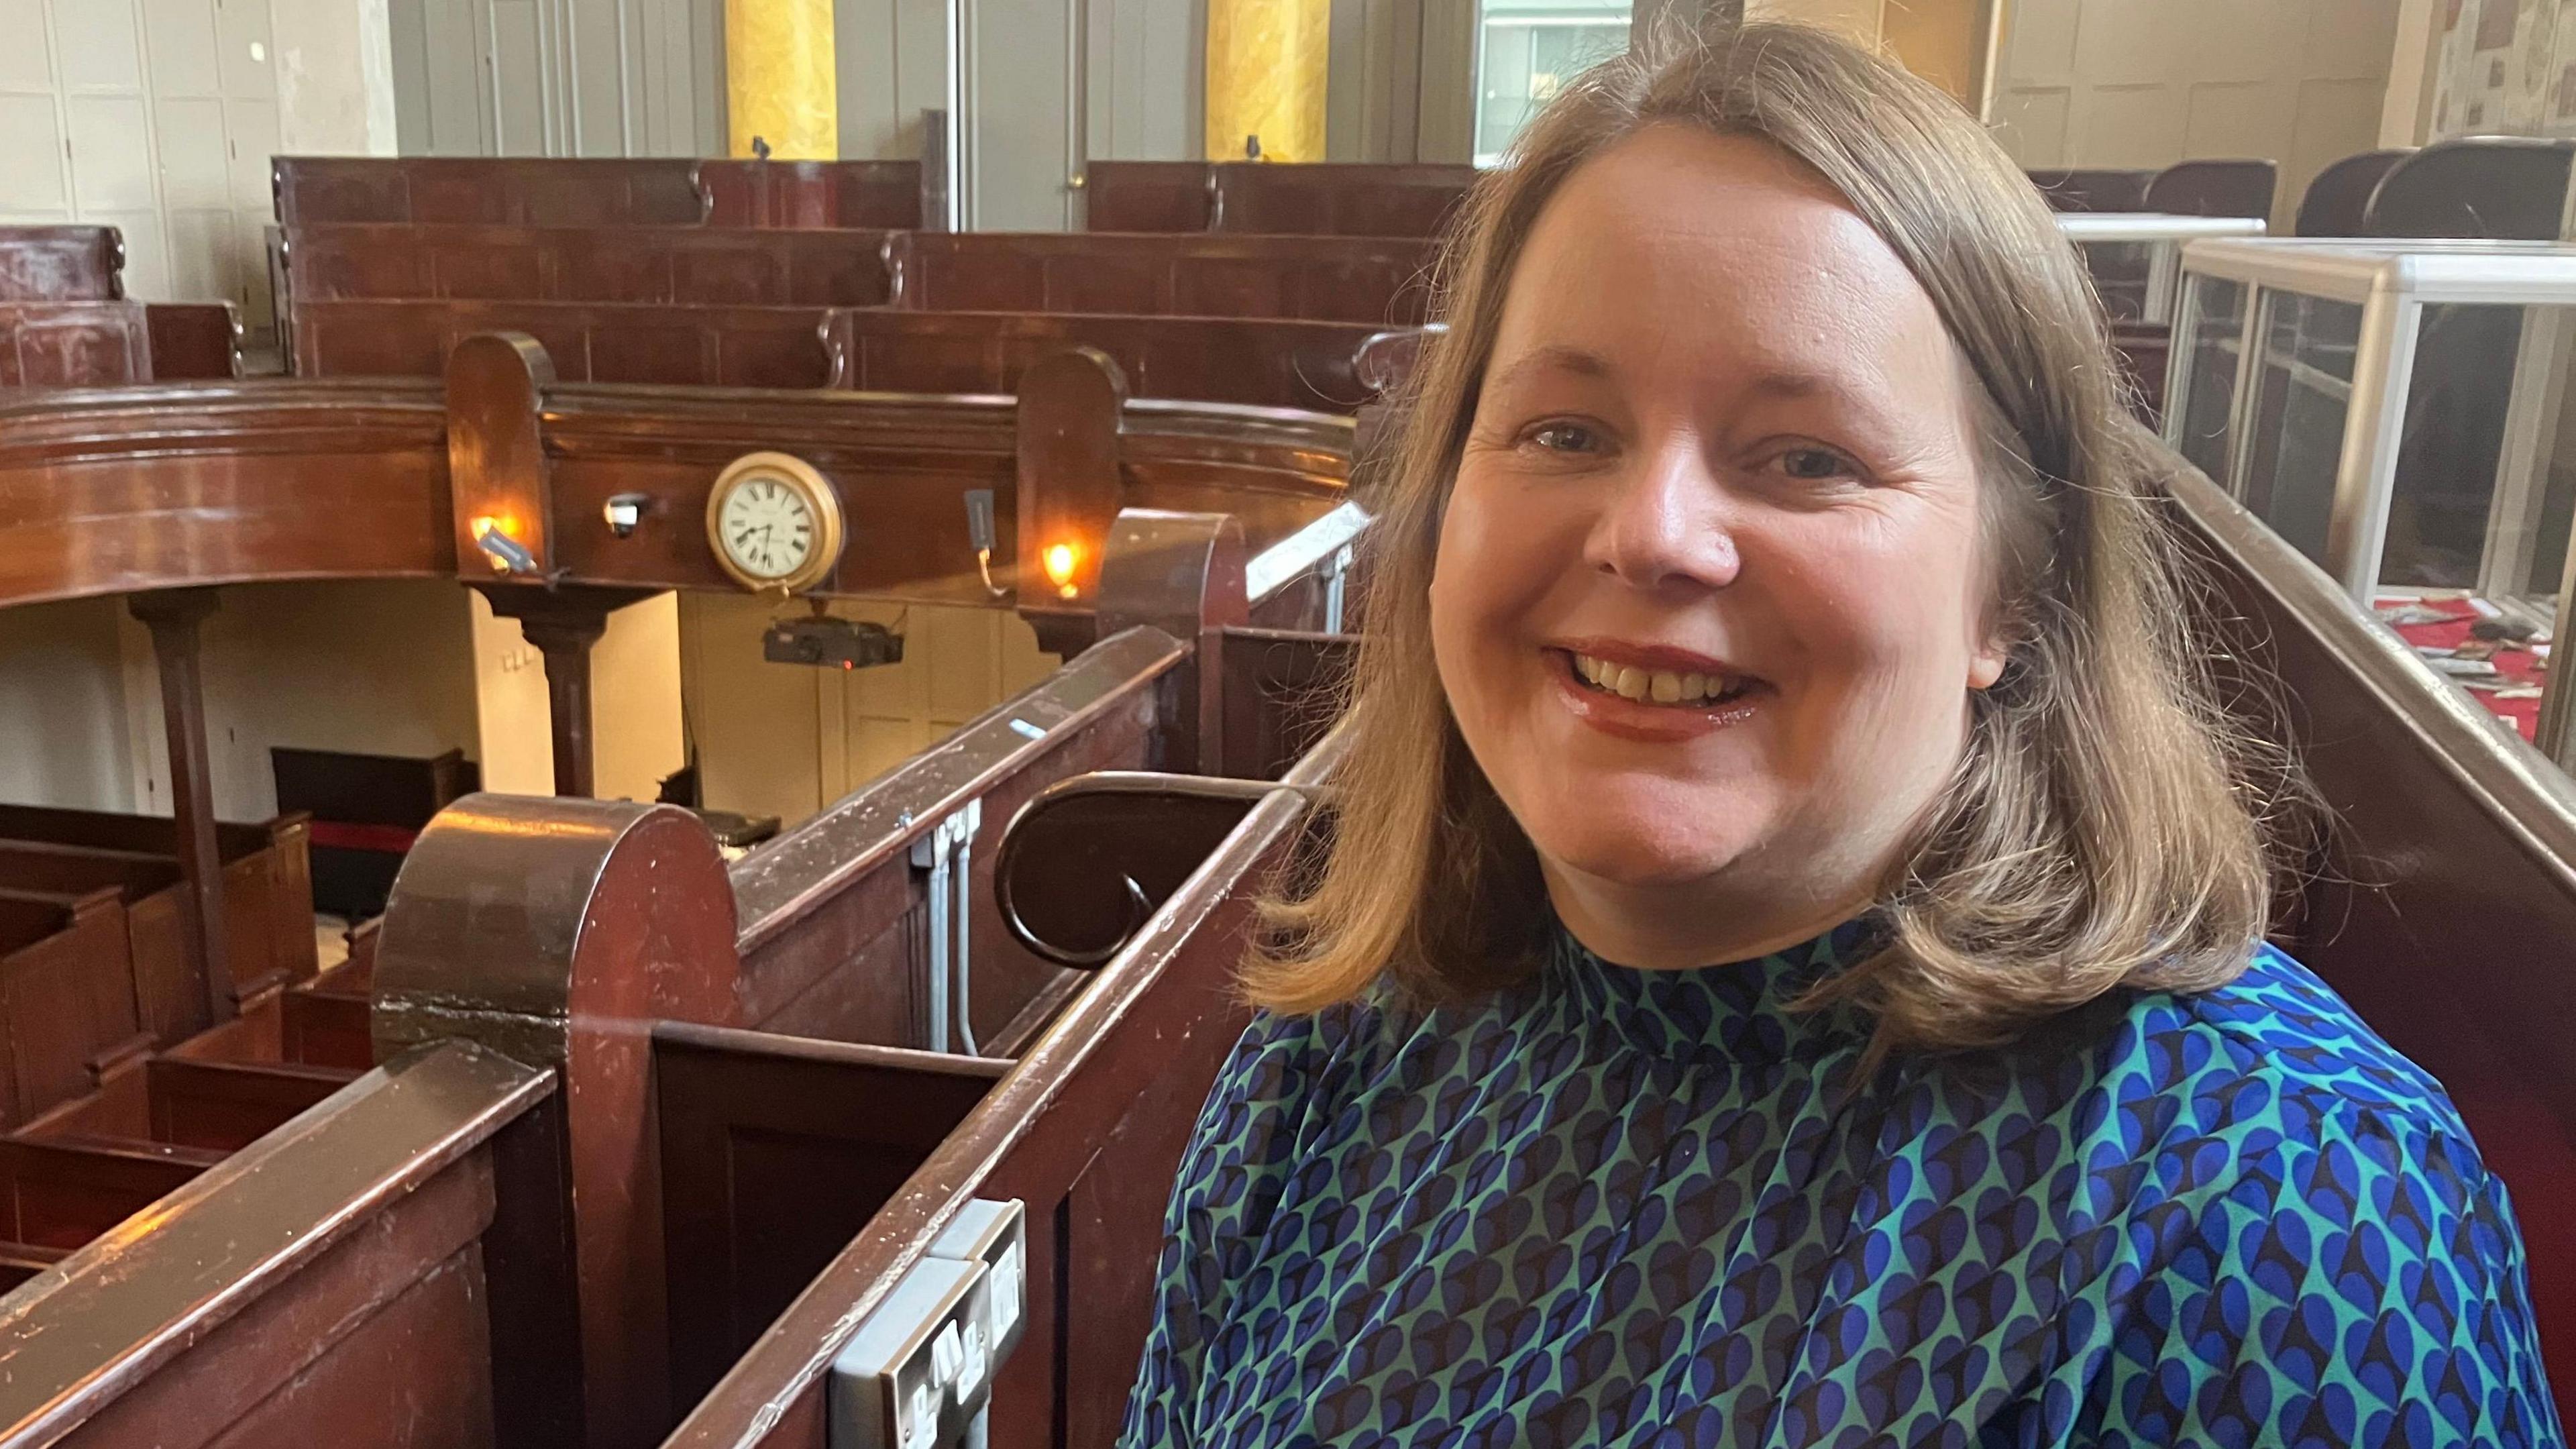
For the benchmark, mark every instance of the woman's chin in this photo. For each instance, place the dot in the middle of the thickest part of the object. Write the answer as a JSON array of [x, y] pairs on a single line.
[[1642, 851]]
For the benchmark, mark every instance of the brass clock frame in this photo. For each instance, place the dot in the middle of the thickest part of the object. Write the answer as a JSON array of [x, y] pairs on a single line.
[[820, 496]]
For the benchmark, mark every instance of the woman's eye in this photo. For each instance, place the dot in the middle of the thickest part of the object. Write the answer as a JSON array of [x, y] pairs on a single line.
[[1565, 438], [1816, 464]]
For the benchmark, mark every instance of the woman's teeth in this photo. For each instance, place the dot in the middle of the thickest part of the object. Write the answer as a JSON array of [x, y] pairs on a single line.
[[1658, 686]]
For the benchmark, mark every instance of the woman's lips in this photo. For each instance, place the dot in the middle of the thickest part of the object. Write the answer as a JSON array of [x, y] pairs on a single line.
[[1630, 700]]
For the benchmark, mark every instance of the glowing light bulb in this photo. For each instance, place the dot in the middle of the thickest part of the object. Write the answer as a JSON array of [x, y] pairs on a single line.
[[1060, 559]]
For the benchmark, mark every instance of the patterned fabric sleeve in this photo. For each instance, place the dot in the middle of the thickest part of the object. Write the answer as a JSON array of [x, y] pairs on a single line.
[[1229, 1178], [2363, 1284]]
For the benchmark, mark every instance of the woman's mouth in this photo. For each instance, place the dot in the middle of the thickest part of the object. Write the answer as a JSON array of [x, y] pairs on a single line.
[[1655, 696], [1684, 689]]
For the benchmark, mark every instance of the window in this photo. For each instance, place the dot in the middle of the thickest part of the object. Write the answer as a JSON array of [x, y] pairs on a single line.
[[1526, 49]]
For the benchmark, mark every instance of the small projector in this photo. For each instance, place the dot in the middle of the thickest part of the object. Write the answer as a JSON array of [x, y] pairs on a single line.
[[829, 643]]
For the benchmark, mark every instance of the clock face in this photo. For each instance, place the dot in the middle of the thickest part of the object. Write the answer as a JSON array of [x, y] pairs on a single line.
[[775, 522], [767, 528]]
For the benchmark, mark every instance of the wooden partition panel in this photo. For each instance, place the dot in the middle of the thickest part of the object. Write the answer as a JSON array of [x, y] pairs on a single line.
[[482, 190], [325, 1286], [1339, 199], [193, 341], [812, 194], [1380, 281], [1086, 1131], [61, 264], [73, 344], [833, 915], [1307, 199], [663, 265], [2445, 911], [695, 346], [1260, 362], [776, 1151]]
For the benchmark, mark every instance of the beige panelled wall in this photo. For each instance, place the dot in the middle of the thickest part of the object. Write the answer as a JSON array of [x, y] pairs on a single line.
[[158, 117], [1401, 81], [2146, 83], [787, 739], [558, 77]]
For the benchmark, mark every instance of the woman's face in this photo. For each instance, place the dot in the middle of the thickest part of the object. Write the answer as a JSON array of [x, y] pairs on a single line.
[[1709, 602]]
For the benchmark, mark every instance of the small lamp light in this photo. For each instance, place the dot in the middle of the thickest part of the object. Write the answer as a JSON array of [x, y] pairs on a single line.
[[1060, 559], [507, 554]]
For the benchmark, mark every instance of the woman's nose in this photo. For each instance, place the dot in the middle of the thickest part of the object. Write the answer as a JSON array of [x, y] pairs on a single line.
[[1666, 524]]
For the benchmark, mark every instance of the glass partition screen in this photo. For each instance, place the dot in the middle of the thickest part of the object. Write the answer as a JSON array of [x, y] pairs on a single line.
[[2302, 391], [2213, 343]]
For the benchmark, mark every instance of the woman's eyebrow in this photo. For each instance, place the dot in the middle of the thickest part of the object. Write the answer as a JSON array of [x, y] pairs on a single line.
[[1554, 358]]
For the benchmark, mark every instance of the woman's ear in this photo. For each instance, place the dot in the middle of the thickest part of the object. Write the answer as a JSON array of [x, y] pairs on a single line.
[[1987, 665]]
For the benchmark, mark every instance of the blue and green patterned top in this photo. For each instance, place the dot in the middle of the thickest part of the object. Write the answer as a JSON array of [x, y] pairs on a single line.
[[1641, 1208]]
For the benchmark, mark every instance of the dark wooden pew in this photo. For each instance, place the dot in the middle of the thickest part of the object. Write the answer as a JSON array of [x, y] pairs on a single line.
[[807, 195], [109, 344], [1258, 362], [1378, 281], [268, 891], [74, 344], [1311, 199], [193, 340], [695, 346], [596, 191], [334, 1282], [1085, 1133], [61, 264], [351, 261]]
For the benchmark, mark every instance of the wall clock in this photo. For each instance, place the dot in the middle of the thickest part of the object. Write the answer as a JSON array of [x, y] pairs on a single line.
[[774, 521]]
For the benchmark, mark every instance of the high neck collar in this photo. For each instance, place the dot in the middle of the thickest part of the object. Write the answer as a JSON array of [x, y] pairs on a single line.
[[1737, 1010]]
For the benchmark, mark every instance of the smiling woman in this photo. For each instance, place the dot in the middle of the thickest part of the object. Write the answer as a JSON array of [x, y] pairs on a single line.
[[1789, 968]]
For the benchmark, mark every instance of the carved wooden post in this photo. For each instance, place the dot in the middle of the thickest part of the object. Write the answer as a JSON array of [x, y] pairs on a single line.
[[557, 931], [1071, 405], [563, 623], [497, 474], [173, 617], [1183, 574]]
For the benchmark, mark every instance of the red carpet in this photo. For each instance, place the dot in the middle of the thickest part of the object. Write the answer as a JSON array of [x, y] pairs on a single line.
[[2521, 669]]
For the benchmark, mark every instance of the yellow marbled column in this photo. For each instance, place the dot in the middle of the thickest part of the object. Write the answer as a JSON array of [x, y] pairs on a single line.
[[1265, 77], [780, 82]]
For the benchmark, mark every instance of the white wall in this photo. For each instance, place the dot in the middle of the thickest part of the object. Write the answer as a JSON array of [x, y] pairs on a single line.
[[64, 738], [2146, 83], [558, 77]]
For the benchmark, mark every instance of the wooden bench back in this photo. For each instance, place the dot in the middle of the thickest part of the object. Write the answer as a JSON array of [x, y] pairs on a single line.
[[61, 264], [1307, 199], [1261, 362], [1376, 281], [348, 261], [596, 191], [74, 344]]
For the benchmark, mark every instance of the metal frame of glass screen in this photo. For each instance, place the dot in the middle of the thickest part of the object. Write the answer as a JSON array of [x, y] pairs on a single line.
[[2164, 233], [2393, 282]]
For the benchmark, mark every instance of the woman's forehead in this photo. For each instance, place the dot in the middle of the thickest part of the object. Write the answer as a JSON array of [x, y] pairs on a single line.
[[1678, 248]]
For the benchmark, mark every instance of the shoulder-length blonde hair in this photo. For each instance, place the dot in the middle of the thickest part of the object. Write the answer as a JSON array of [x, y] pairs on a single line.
[[2105, 825]]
